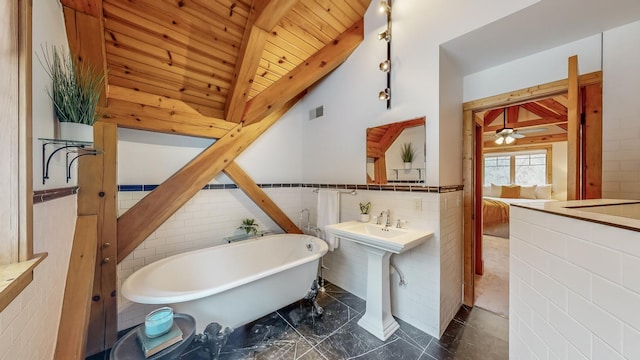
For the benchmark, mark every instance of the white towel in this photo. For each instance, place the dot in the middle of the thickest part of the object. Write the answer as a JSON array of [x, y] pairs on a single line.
[[328, 214]]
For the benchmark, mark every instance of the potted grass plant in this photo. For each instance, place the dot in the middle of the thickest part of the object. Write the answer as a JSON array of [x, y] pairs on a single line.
[[249, 226], [75, 93], [407, 153], [365, 208]]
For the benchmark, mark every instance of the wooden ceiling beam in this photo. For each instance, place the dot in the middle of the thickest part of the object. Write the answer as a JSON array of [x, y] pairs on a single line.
[[527, 124], [85, 35], [133, 115], [553, 105], [88, 7], [513, 113], [529, 140], [491, 115], [255, 193], [261, 21], [305, 74], [543, 111], [135, 225]]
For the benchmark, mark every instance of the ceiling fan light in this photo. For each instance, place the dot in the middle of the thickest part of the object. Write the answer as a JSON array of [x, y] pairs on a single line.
[[509, 139], [500, 140]]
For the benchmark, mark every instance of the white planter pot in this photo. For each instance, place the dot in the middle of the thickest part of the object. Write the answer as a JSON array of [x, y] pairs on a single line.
[[364, 217], [407, 165], [76, 132]]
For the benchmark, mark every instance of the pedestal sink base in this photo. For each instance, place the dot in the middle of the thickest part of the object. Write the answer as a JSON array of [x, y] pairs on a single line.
[[377, 318], [380, 330]]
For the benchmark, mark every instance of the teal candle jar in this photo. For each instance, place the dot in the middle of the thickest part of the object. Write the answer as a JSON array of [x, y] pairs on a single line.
[[158, 322]]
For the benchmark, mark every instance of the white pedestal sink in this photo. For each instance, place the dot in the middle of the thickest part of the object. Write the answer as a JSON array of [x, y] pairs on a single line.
[[379, 242]]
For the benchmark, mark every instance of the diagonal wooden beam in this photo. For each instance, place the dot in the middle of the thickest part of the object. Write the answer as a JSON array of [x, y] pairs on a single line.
[[491, 115], [148, 214], [262, 19], [543, 111], [89, 7], [554, 105], [255, 193], [306, 74]]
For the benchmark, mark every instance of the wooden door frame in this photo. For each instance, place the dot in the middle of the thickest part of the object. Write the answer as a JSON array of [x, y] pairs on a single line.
[[469, 157]]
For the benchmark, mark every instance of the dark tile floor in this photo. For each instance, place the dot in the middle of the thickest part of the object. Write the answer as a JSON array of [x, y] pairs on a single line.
[[291, 333]]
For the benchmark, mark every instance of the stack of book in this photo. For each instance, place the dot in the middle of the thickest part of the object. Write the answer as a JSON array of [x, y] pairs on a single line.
[[151, 346]]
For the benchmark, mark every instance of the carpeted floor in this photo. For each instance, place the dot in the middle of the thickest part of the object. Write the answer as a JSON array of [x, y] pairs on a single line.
[[492, 288]]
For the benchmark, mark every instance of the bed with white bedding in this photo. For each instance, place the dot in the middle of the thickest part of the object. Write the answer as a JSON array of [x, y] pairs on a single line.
[[495, 209]]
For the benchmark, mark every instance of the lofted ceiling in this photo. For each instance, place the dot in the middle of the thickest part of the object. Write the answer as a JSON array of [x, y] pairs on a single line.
[[540, 121], [198, 67]]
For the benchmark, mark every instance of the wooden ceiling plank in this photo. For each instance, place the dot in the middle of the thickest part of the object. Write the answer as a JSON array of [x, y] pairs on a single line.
[[349, 12], [255, 193], [300, 31], [306, 74], [118, 27], [85, 36], [282, 37], [204, 89], [273, 67], [337, 12], [176, 108], [313, 30], [266, 74], [214, 18], [137, 223], [526, 124], [153, 21], [235, 12], [130, 59], [306, 16], [198, 103], [542, 111], [284, 51], [169, 54], [269, 13], [325, 15], [88, 7]]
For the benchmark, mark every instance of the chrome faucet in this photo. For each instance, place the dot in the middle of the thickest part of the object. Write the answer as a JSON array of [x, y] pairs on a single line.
[[388, 222]]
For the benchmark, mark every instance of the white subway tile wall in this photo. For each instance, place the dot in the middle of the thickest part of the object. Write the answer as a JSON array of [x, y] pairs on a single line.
[[573, 288], [214, 214], [29, 325]]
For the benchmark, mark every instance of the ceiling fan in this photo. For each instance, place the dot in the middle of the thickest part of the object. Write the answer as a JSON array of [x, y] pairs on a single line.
[[506, 135]]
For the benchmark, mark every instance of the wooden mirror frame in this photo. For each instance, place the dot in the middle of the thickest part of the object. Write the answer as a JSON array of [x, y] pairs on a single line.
[[379, 139]]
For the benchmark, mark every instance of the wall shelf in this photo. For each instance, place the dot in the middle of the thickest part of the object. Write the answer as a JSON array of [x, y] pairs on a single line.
[[73, 147], [419, 170]]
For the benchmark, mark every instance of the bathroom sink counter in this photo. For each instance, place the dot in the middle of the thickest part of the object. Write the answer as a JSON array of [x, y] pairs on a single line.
[[623, 214]]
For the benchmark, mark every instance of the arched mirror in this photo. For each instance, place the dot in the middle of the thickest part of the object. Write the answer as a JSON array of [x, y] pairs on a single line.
[[396, 152]]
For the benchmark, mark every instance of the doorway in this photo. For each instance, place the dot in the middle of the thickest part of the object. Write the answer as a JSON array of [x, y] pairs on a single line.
[[473, 149]]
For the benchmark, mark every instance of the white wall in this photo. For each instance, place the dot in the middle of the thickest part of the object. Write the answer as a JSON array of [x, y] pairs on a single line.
[[621, 128], [48, 31], [29, 324], [573, 289], [559, 170]]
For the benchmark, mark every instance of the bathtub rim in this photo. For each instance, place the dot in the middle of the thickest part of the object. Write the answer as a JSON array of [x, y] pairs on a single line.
[[169, 297]]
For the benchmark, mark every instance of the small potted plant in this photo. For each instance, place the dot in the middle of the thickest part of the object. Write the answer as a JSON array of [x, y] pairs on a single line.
[[365, 208], [249, 226], [75, 93], [407, 153]]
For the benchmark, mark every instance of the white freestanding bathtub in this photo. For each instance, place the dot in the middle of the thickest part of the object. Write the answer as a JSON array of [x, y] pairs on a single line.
[[231, 284]]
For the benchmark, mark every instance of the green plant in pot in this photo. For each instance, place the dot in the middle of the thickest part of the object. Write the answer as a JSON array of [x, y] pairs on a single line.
[[365, 208], [75, 91], [249, 226], [407, 153]]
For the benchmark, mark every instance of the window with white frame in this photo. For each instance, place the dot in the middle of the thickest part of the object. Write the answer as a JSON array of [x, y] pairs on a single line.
[[531, 166]]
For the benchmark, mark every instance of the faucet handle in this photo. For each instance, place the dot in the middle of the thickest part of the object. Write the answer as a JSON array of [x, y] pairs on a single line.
[[400, 222]]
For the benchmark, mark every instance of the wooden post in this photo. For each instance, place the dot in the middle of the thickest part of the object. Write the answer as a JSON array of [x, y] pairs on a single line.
[[592, 142], [573, 127]]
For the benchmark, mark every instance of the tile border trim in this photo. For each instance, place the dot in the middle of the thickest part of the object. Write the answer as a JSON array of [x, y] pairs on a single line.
[[41, 196], [371, 187]]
